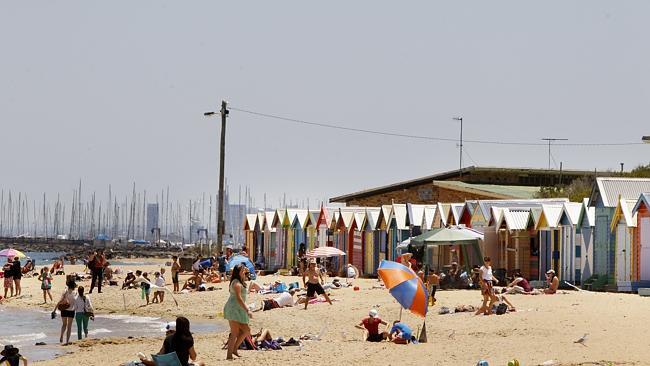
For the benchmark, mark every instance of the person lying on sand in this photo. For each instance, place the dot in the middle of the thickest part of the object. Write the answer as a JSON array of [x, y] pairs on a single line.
[[283, 299], [400, 333], [553, 282], [371, 324]]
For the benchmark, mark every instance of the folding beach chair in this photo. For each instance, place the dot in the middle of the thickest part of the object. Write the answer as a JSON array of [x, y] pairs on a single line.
[[169, 359]]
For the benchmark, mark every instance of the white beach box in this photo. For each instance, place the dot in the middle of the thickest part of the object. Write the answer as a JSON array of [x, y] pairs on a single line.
[[644, 291]]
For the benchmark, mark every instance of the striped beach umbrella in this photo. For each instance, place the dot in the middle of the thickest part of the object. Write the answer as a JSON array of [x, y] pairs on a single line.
[[10, 252], [405, 286], [323, 252]]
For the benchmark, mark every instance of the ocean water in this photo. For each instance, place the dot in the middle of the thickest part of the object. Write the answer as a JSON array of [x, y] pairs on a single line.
[[23, 328], [47, 258]]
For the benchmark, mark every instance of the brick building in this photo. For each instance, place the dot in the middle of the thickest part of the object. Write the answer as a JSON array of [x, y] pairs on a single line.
[[471, 183]]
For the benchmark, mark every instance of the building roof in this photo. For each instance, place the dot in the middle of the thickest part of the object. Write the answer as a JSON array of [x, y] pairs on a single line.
[[611, 189], [372, 216], [490, 190], [515, 219], [250, 221], [456, 174], [551, 215], [456, 212], [571, 210], [429, 216], [624, 212], [643, 198], [268, 222], [443, 211], [399, 212], [415, 214], [486, 205]]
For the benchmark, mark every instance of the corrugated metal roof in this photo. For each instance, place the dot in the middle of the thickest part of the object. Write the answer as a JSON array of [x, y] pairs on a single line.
[[359, 219], [386, 211], [268, 222], [346, 218], [399, 212], [611, 189], [251, 219], [415, 214], [486, 205], [456, 210], [496, 215], [552, 214], [372, 216], [626, 207], [443, 210], [643, 198], [516, 219], [572, 211], [429, 216], [491, 190]]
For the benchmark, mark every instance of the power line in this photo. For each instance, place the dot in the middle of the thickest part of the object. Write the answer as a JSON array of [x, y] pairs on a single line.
[[420, 137]]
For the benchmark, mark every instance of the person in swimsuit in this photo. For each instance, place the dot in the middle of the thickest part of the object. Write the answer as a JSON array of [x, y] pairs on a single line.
[[17, 270], [314, 286], [176, 268], [553, 282], [9, 277], [236, 311], [46, 283], [487, 283]]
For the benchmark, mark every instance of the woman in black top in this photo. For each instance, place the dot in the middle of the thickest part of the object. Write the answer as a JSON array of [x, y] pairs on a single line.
[[181, 342], [18, 274]]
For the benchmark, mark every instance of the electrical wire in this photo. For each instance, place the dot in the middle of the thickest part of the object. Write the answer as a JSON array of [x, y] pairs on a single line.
[[420, 137]]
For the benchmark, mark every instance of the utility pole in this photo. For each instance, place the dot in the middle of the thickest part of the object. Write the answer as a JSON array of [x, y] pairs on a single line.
[[222, 158], [549, 139], [460, 165]]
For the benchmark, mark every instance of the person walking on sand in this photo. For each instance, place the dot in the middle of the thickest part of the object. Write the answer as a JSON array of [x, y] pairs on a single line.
[[83, 310], [8, 270], [46, 283], [487, 287], [314, 286], [159, 293], [176, 268], [66, 305], [97, 265], [236, 311], [17, 271]]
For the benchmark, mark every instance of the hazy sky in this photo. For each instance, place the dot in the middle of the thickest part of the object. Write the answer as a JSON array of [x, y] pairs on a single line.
[[114, 92]]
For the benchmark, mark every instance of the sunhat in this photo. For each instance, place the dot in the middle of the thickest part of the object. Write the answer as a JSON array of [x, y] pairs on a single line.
[[373, 313], [550, 271], [9, 350]]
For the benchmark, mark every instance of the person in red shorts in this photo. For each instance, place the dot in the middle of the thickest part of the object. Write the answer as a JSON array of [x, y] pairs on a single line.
[[371, 324]]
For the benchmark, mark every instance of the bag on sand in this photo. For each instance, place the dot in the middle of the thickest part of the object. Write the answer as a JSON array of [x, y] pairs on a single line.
[[501, 309]]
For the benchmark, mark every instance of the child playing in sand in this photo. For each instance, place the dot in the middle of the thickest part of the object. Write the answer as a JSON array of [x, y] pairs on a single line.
[[400, 333], [371, 324], [11, 356], [176, 268], [46, 283], [314, 283]]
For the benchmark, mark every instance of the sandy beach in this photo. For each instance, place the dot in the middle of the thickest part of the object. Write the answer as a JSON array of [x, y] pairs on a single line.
[[543, 328]]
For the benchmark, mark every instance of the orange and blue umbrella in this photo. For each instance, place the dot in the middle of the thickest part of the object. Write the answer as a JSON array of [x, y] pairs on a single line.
[[405, 286]]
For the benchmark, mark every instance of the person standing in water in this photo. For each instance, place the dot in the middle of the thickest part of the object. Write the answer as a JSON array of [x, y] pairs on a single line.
[[66, 305], [84, 311]]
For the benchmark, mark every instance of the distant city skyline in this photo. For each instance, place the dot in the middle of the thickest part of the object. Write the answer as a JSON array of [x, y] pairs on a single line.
[[115, 93]]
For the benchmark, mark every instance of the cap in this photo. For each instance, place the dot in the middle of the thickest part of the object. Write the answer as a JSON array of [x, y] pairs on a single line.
[[373, 313], [129, 271], [170, 327], [550, 271], [313, 260]]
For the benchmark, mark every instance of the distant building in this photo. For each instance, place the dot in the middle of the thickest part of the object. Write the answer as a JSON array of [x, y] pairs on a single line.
[[153, 216], [469, 183]]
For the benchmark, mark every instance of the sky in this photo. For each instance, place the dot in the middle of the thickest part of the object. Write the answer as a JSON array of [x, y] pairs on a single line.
[[114, 92]]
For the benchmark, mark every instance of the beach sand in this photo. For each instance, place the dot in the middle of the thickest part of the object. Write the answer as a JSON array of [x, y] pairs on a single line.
[[543, 328]]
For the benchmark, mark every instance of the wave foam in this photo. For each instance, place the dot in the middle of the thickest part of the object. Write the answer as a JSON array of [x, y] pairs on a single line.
[[20, 338]]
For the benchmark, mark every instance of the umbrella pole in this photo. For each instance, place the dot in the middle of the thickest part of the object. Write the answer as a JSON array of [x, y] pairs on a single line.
[[400, 313]]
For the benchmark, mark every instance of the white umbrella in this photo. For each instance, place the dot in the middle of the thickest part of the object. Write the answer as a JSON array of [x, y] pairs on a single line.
[[325, 252]]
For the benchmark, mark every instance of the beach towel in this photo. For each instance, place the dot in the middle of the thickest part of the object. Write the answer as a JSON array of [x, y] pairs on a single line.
[[169, 359]]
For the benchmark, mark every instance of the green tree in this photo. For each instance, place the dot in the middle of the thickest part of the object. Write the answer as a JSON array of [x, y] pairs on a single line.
[[579, 189]]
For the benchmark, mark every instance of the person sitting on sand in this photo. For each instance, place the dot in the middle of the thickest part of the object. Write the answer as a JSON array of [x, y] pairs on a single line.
[[11, 356], [553, 282], [181, 342], [501, 299], [371, 324], [314, 283], [194, 282], [129, 280], [519, 285], [400, 333]]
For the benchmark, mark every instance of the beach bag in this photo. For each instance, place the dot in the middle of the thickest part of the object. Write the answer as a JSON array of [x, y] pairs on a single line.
[[63, 305], [501, 309]]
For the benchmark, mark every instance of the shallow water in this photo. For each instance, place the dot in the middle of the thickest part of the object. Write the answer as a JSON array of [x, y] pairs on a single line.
[[24, 328]]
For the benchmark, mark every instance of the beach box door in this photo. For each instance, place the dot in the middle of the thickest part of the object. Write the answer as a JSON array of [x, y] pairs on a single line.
[[645, 248], [622, 250]]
